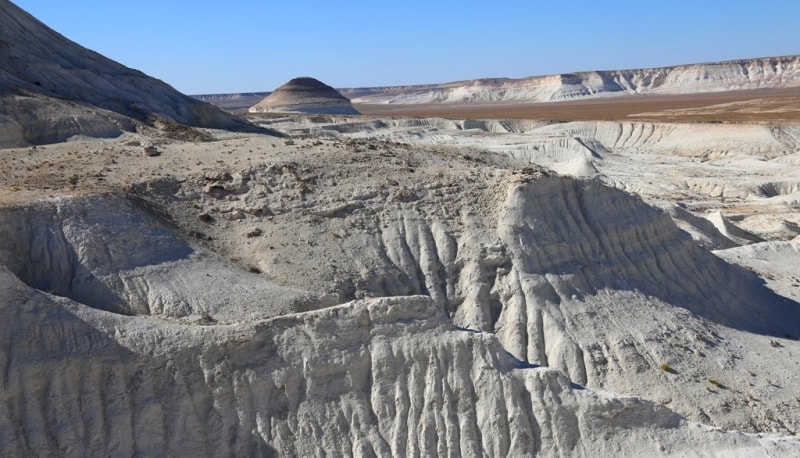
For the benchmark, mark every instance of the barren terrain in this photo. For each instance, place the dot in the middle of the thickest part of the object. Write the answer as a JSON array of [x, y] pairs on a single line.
[[764, 105], [576, 274], [609, 276]]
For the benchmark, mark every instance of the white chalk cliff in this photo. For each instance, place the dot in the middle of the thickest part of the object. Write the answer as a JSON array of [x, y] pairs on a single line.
[[768, 72], [390, 376]]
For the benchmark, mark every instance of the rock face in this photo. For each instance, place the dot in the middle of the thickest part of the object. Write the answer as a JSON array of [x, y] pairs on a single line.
[[52, 88], [305, 95], [565, 272], [66, 247], [768, 72], [449, 306], [379, 377]]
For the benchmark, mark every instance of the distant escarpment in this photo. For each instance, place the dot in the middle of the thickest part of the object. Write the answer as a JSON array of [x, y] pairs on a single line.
[[52, 88], [745, 74], [305, 95]]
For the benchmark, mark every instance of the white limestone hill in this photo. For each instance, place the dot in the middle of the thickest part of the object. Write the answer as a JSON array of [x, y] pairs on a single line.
[[109, 253], [776, 261], [759, 73], [305, 95], [365, 297], [52, 88], [566, 273]]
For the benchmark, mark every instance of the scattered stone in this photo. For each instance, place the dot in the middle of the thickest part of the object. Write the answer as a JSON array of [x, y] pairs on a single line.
[[206, 320], [217, 175], [403, 195], [215, 190], [235, 215], [151, 151], [337, 210]]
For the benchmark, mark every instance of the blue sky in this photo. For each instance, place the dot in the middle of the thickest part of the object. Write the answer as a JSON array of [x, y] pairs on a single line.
[[205, 46]]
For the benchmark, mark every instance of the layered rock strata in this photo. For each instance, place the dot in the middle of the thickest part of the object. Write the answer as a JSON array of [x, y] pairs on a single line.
[[305, 95]]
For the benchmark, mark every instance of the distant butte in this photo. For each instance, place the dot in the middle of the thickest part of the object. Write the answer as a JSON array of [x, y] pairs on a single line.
[[305, 95]]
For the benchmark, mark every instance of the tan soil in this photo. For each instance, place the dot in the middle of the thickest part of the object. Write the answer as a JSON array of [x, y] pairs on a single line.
[[770, 105]]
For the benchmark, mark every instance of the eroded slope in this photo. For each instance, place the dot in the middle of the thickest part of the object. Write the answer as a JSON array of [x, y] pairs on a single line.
[[373, 377], [518, 267], [566, 272], [52, 89]]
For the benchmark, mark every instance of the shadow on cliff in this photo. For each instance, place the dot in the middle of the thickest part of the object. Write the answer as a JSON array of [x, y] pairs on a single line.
[[605, 239], [73, 387], [77, 248]]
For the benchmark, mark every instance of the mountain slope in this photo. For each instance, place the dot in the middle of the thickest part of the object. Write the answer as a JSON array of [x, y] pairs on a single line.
[[52, 88]]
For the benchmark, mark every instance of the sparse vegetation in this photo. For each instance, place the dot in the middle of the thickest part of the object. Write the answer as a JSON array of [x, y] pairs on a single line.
[[665, 367]]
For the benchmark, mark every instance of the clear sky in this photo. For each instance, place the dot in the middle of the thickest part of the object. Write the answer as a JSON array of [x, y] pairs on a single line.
[[219, 46]]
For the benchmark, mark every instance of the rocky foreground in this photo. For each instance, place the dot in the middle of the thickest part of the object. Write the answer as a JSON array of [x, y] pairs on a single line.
[[353, 294]]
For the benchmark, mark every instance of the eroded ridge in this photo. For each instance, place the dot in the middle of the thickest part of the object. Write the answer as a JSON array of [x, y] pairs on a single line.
[[379, 376]]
